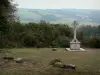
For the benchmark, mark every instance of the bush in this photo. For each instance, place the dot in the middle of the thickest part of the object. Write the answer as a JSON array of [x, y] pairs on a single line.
[[63, 41], [94, 42]]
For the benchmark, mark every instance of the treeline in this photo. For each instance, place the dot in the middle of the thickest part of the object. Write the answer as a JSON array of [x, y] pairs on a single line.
[[36, 35], [90, 36], [43, 34]]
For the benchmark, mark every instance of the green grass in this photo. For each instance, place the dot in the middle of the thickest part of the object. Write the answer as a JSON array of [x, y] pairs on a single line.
[[86, 62]]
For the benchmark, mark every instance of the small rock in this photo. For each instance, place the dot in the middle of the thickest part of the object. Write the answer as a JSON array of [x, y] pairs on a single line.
[[54, 49]]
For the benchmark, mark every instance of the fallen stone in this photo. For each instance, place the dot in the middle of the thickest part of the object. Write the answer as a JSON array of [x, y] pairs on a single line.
[[59, 65], [70, 66], [54, 61], [19, 60]]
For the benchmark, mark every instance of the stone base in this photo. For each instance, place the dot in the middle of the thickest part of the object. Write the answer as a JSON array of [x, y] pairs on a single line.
[[81, 49]]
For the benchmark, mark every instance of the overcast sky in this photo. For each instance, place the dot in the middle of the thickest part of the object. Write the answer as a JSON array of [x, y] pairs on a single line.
[[57, 4]]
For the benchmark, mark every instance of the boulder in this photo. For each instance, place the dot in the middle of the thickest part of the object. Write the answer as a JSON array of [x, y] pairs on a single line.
[[18, 60], [71, 66], [54, 61], [59, 65]]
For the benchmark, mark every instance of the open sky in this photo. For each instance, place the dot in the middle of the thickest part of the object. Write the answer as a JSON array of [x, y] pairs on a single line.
[[57, 4]]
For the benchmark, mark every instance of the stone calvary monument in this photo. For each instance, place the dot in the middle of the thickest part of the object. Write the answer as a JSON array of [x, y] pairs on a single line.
[[75, 44]]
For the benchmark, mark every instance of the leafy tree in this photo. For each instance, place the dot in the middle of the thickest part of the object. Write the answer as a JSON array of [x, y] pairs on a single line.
[[63, 41], [94, 42], [7, 14]]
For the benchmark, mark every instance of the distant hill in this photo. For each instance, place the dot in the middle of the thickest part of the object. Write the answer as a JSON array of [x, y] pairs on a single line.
[[84, 16]]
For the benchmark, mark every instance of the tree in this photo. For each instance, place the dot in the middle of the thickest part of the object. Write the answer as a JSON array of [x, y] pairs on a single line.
[[7, 14], [94, 42]]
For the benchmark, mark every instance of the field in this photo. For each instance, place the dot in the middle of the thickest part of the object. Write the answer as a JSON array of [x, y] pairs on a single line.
[[63, 16], [87, 63]]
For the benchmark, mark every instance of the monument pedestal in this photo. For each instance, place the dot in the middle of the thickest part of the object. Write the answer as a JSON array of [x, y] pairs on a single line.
[[75, 44]]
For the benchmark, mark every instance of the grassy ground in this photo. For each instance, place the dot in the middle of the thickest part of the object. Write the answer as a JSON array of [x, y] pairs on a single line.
[[87, 63]]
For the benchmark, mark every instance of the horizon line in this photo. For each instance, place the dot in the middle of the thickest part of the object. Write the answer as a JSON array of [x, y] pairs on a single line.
[[57, 8]]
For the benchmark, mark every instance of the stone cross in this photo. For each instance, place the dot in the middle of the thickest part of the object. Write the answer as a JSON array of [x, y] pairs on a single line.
[[75, 44], [75, 28]]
